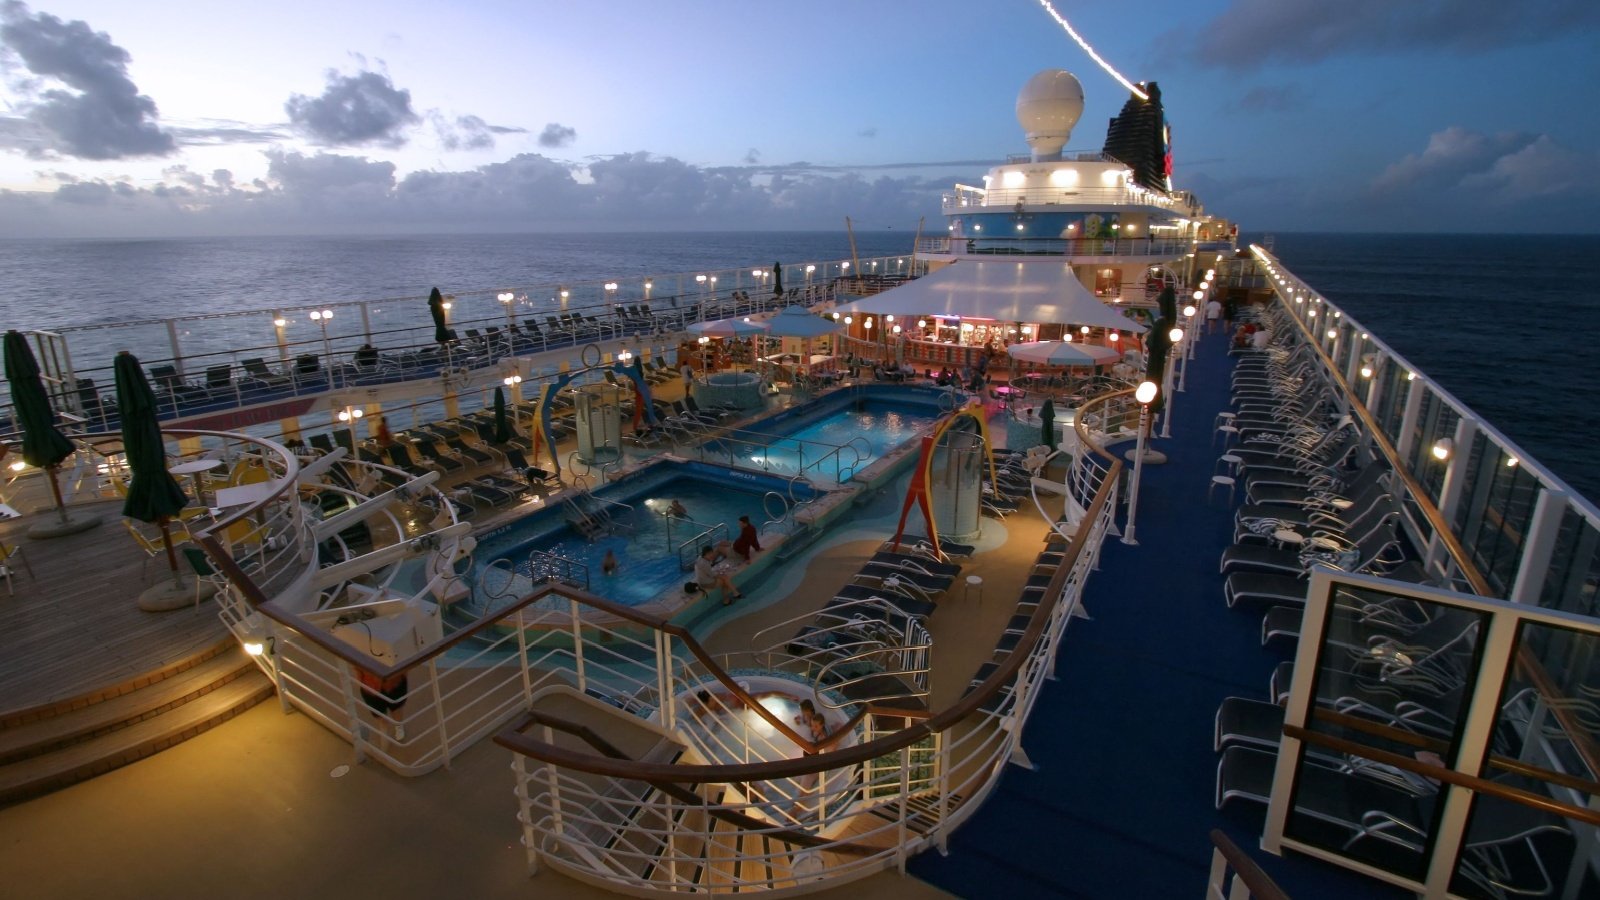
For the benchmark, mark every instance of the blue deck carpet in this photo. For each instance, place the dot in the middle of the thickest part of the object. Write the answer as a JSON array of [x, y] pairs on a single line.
[[1121, 804]]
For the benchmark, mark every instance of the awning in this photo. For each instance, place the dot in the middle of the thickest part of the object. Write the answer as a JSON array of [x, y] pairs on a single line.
[[1004, 290]]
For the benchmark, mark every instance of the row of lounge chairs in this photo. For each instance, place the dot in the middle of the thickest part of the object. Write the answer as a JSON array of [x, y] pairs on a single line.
[[1396, 664], [884, 605]]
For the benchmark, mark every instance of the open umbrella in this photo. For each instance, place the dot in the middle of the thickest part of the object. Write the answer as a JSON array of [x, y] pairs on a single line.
[[1062, 353], [799, 322], [777, 279], [43, 445], [728, 328], [441, 331], [1047, 421], [153, 494], [502, 427]]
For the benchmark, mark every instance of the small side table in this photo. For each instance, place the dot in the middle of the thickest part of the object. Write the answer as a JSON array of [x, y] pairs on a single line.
[[1287, 538], [974, 583]]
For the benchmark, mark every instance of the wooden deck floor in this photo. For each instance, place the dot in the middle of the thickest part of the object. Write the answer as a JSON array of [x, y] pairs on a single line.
[[74, 626]]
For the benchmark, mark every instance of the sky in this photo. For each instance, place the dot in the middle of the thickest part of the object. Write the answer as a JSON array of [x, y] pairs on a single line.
[[184, 118]]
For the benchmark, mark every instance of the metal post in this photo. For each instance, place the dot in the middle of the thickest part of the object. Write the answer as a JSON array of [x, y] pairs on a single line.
[[438, 709], [522, 654], [1138, 468]]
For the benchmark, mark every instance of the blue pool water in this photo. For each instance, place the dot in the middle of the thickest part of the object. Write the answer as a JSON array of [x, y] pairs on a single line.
[[866, 427], [647, 542]]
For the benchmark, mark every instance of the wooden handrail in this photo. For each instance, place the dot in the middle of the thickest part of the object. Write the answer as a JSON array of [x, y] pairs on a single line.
[[1259, 882], [1448, 776], [678, 792], [1437, 745]]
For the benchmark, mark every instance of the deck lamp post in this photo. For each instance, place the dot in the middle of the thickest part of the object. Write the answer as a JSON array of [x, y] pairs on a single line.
[[705, 349], [506, 298], [1189, 326], [1145, 393], [1176, 337], [349, 416], [322, 317]]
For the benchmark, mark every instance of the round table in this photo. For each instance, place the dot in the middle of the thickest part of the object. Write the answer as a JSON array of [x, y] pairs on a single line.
[[196, 468]]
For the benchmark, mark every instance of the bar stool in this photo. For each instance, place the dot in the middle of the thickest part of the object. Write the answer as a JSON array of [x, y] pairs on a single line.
[[974, 583], [1217, 480], [1228, 433], [1223, 418], [1232, 460]]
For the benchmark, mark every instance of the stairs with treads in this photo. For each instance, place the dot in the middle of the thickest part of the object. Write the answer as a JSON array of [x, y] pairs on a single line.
[[46, 748]]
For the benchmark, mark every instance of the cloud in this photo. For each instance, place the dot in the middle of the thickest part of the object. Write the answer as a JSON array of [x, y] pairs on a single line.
[[354, 110], [467, 132], [1540, 169], [1272, 99], [752, 156], [326, 192], [871, 131], [1451, 156], [1252, 33], [101, 116], [224, 131], [557, 135]]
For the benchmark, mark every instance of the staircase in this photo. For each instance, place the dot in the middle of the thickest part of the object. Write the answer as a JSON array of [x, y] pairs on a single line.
[[45, 748]]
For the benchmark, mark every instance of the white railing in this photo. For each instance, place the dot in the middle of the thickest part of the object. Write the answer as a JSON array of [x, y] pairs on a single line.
[[1006, 199], [649, 826], [1478, 492]]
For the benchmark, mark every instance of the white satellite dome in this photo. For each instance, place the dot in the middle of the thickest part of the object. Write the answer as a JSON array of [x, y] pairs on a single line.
[[1047, 108]]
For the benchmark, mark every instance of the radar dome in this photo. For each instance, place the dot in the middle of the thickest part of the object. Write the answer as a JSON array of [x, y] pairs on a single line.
[[1047, 108]]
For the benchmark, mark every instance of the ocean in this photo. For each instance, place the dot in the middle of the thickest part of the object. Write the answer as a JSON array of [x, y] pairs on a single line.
[[1500, 321]]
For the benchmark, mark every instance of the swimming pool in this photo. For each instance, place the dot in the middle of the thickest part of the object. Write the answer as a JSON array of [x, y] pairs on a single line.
[[652, 548], [836, 439]]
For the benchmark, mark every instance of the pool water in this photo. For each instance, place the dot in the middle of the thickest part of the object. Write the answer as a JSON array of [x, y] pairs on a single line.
[[867, 429], [646, 541]]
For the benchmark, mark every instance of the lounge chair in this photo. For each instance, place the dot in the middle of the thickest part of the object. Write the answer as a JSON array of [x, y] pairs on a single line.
[[256, 368], [1378, 543]]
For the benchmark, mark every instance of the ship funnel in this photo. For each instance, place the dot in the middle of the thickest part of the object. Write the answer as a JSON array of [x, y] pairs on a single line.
[[1047, 108]]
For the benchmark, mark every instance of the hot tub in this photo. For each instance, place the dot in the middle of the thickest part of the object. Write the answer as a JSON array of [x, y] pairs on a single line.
[[738, 389]]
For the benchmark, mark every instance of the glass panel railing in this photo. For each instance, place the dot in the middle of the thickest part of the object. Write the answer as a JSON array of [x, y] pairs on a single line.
[[1442, 741]]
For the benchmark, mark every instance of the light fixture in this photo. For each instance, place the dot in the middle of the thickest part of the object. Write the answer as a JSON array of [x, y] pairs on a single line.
[[1366, 370], [836, 317], [507, 296], [1113, 337], [1210, 274], [1027, 329], [321, 316], [922, 323], [280, 321], [849, 320], [700, 278], [1411, 376], [18, 466], [447, 304], [649, 284], [1511, 462], [889, 318], [844, 265], [255, 648], [1188, 311], [1083, 329], [1175, 335], [1066, 337], [350, 414], [1442, 448], [897, 329], [1145, 392], [611, 285], [810, 269], [1199, 295], [1333, 333], [867, 323], [512, 379]]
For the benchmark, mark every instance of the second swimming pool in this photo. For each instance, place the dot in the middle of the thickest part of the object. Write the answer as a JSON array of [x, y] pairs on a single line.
[[654, 551]]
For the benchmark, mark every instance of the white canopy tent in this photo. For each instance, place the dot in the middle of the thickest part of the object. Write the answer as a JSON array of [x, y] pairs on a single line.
[[1003, 290]]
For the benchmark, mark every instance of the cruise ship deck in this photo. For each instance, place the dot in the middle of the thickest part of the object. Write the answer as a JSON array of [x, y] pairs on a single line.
[[1120, 745]]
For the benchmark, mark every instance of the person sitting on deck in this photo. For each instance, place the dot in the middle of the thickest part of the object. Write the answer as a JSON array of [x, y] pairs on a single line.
[[709, 577], [748, 540]]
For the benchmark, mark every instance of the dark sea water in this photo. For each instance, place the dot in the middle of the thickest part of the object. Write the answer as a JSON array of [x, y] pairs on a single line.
[[1508, 324]]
